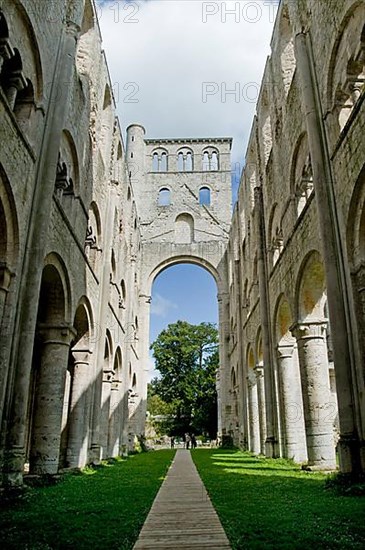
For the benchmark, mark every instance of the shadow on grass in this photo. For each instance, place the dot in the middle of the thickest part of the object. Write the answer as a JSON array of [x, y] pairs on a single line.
[[101, 508], [262, 505]]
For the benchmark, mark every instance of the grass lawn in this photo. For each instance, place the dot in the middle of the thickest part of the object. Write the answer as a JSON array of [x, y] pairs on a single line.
[[267, 504], [96, 510]]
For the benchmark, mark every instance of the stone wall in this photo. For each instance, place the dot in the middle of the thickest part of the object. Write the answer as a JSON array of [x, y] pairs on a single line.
[[71, 390], [86, 225], [296, 243]]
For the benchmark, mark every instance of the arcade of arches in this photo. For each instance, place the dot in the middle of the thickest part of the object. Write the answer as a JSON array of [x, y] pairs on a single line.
[[86, 224]]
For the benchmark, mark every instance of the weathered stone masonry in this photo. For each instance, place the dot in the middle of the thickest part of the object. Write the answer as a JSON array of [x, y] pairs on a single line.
[[86, 226], [70, 371], [295, 250]]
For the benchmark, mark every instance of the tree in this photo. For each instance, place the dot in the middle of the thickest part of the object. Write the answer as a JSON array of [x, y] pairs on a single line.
[[187, 358]]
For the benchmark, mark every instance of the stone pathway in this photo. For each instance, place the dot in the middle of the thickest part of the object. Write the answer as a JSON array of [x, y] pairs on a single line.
[[182, 515]]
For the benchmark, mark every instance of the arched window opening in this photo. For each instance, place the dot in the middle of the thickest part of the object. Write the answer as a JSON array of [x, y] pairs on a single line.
[[180, 162], [204, 196], [122, 295], [185, 160], [155, 162], [164, 197], [347, 79], [205, 162], [301, 176], [214, 162], [287, 55], [159, 161], [107, 98], [304, 186], [210, 160], [277, 246], [113, 266], [189, 162], [163, 162]]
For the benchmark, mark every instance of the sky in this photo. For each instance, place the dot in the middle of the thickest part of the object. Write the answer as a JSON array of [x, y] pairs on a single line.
[[187, 68]]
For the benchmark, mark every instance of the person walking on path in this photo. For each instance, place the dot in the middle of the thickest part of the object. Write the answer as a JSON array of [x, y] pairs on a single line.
[[187, 439]]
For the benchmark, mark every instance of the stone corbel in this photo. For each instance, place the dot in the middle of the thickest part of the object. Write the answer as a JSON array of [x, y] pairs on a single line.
[[5, 277], [81, 355], [259, 371], [15, 84], [6, 51], [108, 376]]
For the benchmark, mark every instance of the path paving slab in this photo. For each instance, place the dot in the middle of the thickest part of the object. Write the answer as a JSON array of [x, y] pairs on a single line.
[[182, 515]]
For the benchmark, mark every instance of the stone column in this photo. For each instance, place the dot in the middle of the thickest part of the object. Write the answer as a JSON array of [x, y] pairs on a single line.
[[313, 360], [253, 417], [259, 371], [98, 441], [48, 408], [78, 430], [291, 401], [114, 419], [225, 405], [105, 411], [15, 84], [270, 394]]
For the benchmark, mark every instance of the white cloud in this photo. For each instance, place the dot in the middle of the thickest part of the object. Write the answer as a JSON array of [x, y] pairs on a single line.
[[168, 54], [160, 306]]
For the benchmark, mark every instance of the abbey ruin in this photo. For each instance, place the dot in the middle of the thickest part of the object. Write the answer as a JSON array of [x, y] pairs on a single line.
[[87, 223]]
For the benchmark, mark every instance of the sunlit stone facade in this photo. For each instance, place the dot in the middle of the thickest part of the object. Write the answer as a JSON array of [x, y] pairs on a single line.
[[87, 224]]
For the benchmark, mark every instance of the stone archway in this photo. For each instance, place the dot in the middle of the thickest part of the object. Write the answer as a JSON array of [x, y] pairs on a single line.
[[289, 385], [50, 356], [310, 332], [217, 272]]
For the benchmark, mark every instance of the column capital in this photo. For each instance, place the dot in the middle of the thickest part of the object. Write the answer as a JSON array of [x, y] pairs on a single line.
[[259, 371], [315, 329], [284, 351], [81, 356], [115, 385], [250, 382], [108, 376], [56, 334]]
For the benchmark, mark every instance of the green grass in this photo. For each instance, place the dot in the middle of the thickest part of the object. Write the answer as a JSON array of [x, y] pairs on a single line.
[[271, 504], [96, 510]]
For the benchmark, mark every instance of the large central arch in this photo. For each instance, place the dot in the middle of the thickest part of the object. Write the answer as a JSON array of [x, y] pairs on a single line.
[[217, 269]]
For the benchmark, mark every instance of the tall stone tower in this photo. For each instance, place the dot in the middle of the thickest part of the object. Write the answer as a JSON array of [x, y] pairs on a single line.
[[184, 199]]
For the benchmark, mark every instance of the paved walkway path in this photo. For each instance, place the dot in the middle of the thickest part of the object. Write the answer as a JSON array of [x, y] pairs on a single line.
[[182, 515]]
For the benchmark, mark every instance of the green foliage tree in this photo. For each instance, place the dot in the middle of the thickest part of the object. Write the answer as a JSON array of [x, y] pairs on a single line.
[[187, 358]]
